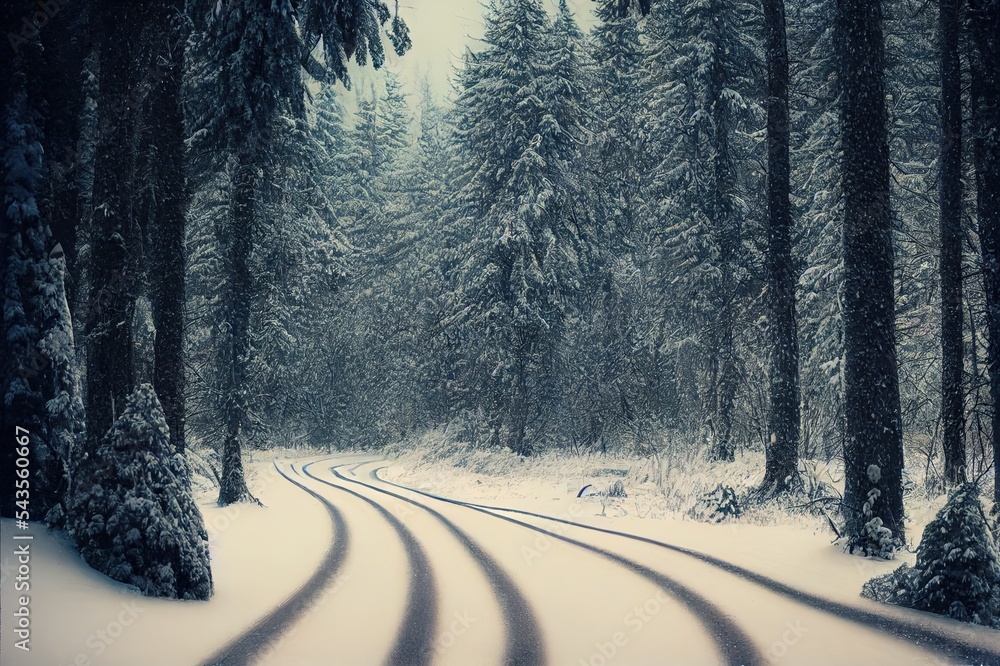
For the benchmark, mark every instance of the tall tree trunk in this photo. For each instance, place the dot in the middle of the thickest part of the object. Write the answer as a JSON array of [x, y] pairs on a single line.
[[984, 23], [952, 399], [727, 236], [171, 203], [244, 195], [66, 43], [110, 371], [728, 384], [873, 450], [782, 451]]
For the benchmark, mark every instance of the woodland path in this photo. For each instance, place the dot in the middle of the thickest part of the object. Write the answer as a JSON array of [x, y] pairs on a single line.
[[437, 580]]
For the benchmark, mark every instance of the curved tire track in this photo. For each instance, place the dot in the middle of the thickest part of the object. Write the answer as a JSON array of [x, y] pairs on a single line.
[[735, 646], [524, 646], [245, 648], [415, 641], [930, 637]]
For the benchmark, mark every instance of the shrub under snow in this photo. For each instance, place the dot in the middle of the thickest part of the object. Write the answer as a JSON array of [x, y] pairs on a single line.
[[958, 568], [133, 516], [717, 506]]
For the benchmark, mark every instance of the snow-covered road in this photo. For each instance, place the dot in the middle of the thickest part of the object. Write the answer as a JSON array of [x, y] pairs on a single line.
[[487, 585], [346, 567]]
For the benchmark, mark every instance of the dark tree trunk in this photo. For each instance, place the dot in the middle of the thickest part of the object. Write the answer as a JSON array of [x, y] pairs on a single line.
[[873, 450], [235, 389], [984, 23], [727, 237], [726, 392], [782, 450], [114, 269], [66, 42], [169, 211], [952, 399]]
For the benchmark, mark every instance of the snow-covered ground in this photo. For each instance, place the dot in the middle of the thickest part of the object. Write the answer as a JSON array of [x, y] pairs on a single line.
[[80, 617], [796, 548], [486, 581]]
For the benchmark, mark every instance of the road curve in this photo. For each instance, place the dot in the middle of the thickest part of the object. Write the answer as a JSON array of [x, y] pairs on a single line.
[[524, 646], [927, 635], [734, 645], [245, 648], [414, 645]]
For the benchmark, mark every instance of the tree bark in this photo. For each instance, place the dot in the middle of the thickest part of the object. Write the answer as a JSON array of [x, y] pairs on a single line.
[[728, 238], [110, 363], [873, 450], [170, 210], [984, 24], [66, 43], [782, 451], [243, 198], [952, 398]]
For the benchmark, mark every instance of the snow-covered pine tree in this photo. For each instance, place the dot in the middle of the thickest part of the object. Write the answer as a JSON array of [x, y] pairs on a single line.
[[254, 54], [618, 146], [620, 161], [815, 159], [958, 568], [66, 43], [368, 349], [602, 387], [699, 89], [22, 162], [871, 386], [376, 144], [431, 166], [516, 131], [132, 514], [253, 76], [299, 265], [40, 388], [63, 429], [913, 91]]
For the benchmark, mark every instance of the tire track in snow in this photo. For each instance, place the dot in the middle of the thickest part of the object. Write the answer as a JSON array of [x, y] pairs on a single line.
[[414, 643], [524, 646], [245, 648], [734, 645], [922, 633]]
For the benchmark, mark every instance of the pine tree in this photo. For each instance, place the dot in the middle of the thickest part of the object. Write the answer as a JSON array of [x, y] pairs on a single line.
[[431, 165], [116, 242], [698, 81], [783, 446], [132, 514], [22, 160], [952, 394], [516, 130], [984, 26], [913, 85], [40, 388], [254, 53], [873, 454], [958, 568], [815, 159], [169, 211]]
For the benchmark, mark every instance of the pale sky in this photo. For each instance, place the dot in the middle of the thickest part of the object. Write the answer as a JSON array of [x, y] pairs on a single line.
[[441, 30]]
